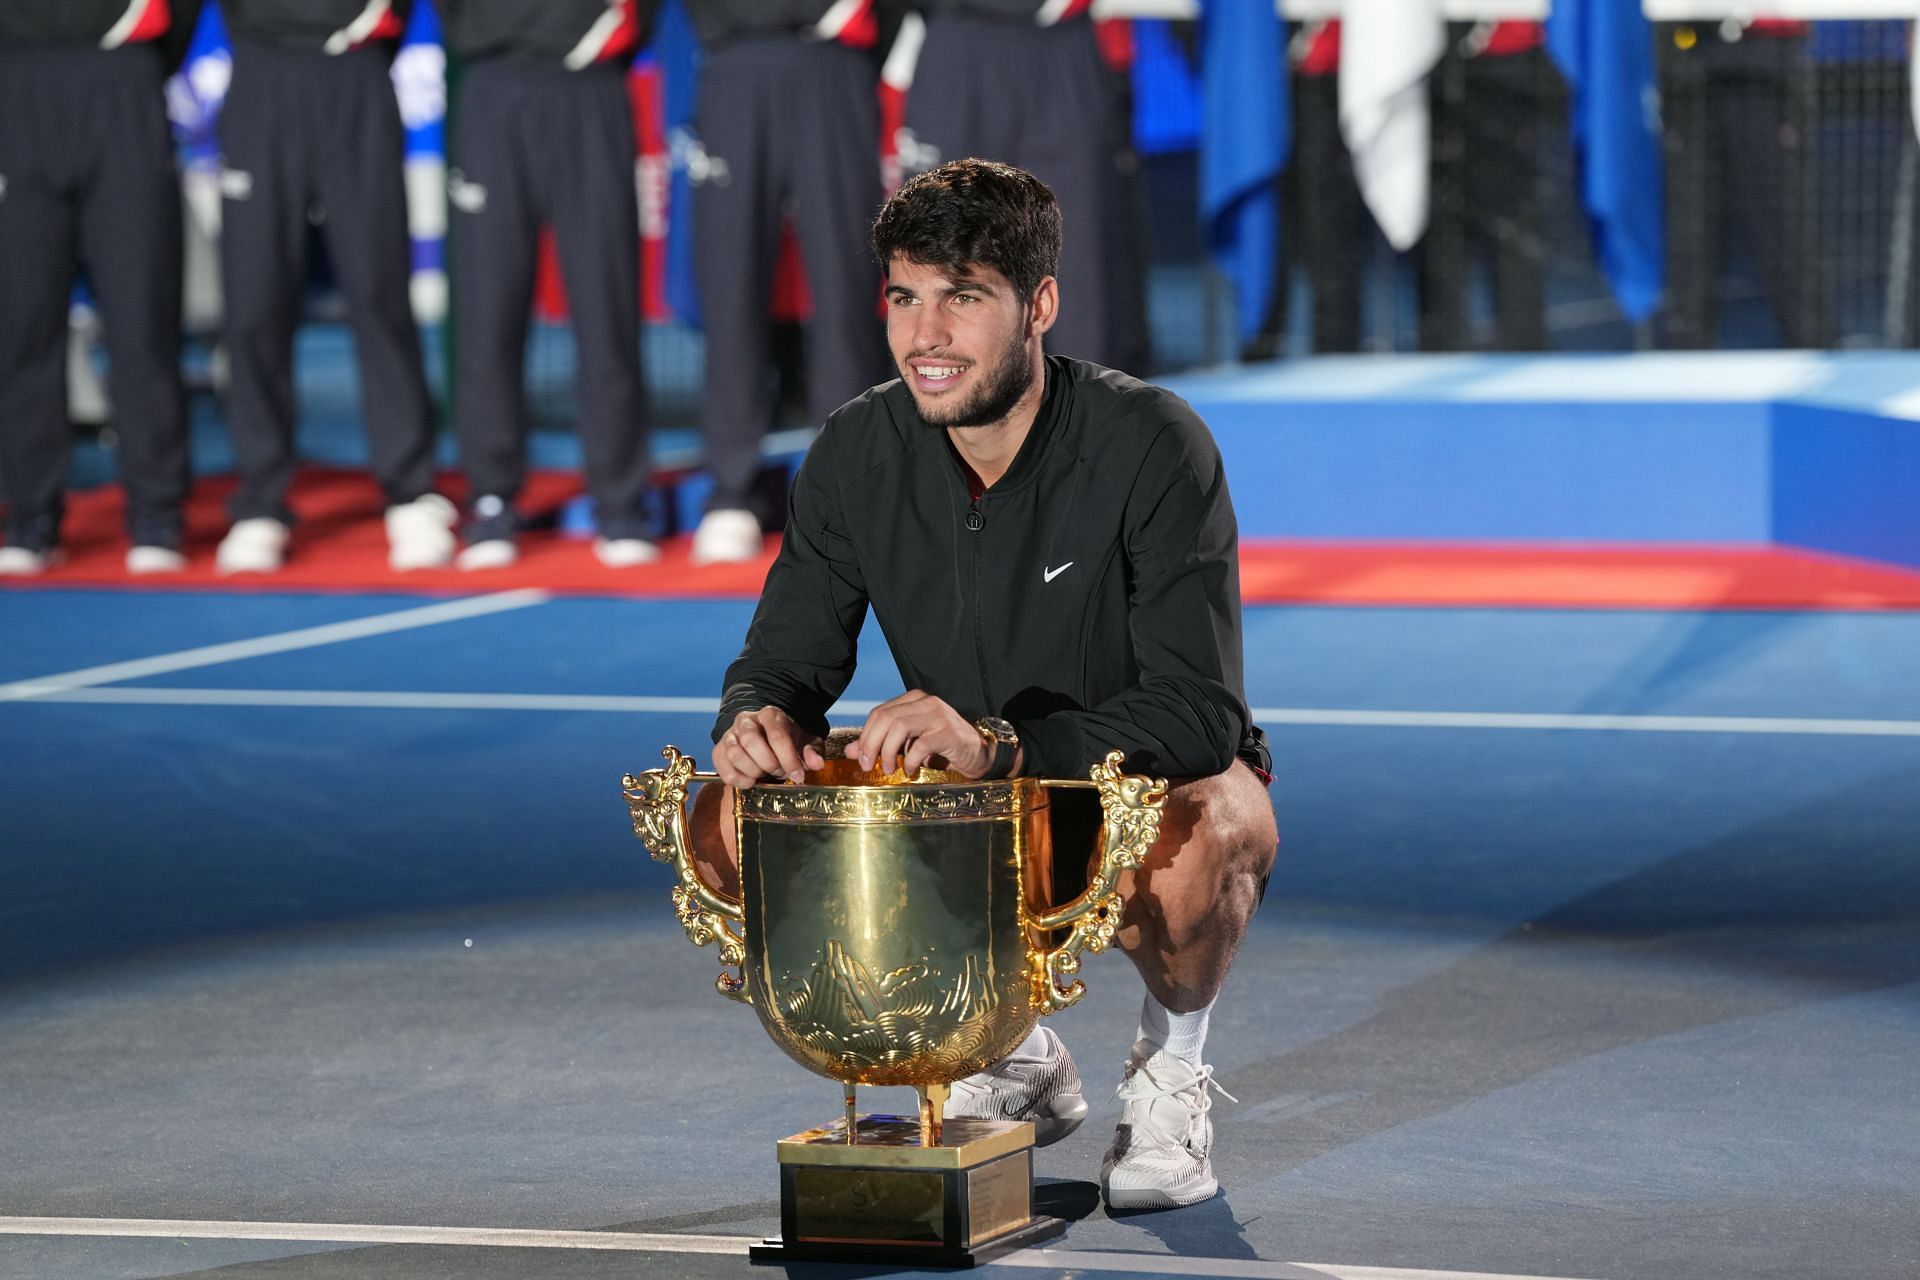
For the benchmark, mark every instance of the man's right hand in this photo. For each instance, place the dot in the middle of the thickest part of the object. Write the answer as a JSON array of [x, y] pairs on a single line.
[[765, 744]]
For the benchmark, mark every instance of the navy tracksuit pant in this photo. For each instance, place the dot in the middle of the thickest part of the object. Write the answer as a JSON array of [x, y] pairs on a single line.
[[302, 129], [534, 145], [87, 174], [1041, 99], [786, 123]]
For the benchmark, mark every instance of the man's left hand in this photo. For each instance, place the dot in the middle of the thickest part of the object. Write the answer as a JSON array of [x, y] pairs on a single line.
[[917, 727]]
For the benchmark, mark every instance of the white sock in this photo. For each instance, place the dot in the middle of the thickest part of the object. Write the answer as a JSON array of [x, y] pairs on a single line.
[[1183, 1035], [1034, 1046]]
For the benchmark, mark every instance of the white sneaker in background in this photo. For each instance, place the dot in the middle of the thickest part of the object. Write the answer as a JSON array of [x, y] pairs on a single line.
[[1045, 1090], [254, 545], [152, 559], [420, 533], [1162, 1152], [490, 553], [726, 537], [491, 535], [27, 562], [624, 553]]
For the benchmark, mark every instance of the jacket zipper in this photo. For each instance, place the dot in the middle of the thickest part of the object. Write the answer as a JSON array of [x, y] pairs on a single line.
[[976, 521]]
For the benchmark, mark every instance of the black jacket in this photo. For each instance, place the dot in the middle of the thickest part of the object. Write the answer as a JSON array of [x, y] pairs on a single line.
[[298, 24], [83, 23], [1024, 10], [716, 20], [534, 30], [1096, 607]]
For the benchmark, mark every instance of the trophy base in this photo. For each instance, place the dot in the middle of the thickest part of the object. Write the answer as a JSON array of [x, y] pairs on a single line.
[[886, 1199]]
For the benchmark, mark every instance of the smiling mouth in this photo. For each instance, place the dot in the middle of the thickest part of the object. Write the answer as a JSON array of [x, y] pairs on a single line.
[[938, 373]]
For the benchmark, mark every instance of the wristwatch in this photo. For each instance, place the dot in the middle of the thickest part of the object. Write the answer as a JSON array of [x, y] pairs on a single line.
[[1002, 741]]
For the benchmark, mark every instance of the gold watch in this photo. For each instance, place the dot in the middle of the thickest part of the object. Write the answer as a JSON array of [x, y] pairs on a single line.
[[1002, 741]]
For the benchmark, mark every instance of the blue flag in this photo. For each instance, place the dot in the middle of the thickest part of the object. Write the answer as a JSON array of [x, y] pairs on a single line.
[[1166, 91], [1605, 50], [1245, 137], [677, 49]]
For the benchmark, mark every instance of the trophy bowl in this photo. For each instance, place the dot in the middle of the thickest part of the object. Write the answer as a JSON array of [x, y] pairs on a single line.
[[900, 931]]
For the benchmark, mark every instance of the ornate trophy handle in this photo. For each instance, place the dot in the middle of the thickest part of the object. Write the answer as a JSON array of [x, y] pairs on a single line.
[[1130, 805], [658, 800]]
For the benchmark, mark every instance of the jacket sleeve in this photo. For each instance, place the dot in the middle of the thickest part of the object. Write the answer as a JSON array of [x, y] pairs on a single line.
[[1186, 714], [801, 647]]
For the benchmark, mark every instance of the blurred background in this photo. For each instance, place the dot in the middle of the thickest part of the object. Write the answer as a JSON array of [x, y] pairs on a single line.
[[1281, 182]]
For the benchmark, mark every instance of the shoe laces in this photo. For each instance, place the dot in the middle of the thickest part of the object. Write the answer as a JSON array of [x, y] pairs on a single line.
[[1200, 1086]]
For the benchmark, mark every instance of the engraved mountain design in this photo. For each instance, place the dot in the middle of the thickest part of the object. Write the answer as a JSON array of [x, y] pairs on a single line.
[[913, 1013]]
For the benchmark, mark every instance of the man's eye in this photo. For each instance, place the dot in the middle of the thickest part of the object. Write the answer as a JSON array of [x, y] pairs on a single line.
[[964, 297]]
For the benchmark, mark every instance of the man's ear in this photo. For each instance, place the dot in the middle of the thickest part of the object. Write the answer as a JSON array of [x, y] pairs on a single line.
[[1044, 308]]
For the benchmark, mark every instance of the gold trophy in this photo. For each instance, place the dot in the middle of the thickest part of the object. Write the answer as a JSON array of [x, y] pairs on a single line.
[[898, 931]]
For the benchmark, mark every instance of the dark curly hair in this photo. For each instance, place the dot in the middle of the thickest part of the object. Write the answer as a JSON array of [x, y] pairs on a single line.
[[973, 212]]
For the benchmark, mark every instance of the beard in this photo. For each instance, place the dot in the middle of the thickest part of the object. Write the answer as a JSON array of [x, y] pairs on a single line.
[[1000, 387]]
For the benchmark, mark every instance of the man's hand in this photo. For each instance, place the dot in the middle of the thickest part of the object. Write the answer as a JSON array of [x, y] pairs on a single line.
[[765, 744], [916, 727]]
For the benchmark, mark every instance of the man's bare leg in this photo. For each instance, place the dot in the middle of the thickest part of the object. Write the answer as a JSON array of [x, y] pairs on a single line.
[[1189, 903]]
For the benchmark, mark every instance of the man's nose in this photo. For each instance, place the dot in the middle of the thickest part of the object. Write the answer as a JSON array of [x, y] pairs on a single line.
[[930, 328]]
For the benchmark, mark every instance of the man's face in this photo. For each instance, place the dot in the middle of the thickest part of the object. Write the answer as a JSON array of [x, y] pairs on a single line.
[[964, 342]]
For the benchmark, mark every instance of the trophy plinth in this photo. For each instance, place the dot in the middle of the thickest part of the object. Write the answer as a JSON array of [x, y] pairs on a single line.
[[889, 1198], [899, 931]]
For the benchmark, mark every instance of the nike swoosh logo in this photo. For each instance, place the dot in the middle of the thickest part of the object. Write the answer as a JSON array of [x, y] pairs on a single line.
[[1050, 574]]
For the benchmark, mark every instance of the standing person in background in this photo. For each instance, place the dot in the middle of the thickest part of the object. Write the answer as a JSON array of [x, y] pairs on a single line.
[[1494, 92], [542, 133], [1737, 106], [87, 174], [311, 119], [1324, 195], [788, 118], [1021, 81]]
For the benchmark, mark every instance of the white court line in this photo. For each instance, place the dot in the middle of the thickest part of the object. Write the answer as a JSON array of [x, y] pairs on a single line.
[[639, 1242], [396, 701], [285, 641], [849, 710], [1586, 723], [364, 1233]]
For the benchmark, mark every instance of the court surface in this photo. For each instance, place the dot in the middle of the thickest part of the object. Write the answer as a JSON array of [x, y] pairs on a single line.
[[326, 950]]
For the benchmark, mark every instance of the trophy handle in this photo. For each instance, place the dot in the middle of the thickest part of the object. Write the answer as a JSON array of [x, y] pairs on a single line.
[[658, 800], [1130, 807]]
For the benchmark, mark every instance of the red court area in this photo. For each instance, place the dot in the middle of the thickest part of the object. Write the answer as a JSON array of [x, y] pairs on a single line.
[[340, 545]]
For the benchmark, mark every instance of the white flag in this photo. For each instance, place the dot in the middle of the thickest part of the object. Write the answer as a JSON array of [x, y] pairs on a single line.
[[1387, 47]]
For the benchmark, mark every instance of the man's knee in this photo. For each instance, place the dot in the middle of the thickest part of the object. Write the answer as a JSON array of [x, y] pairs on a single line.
[[1235, 820], [1208, 870]]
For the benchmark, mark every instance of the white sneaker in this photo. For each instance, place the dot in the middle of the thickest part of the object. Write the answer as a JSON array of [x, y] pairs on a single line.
[[420, 533], [26, 562], [726, 537], [152, 559], [493, 553], [624, 553], [1161, 1155], [254, 545], [1045, 1090]]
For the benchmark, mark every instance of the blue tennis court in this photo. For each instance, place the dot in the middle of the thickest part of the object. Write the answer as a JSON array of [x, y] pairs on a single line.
[[326, 950]]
